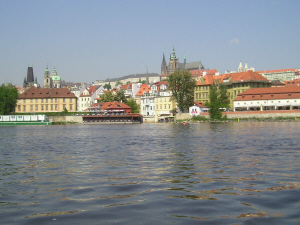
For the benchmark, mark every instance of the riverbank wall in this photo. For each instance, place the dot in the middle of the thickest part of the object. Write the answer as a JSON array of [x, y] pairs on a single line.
[[186, 116], [66, 119], [247, 114]]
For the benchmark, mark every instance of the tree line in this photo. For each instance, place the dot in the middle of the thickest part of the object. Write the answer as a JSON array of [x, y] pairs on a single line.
[[8, 99]]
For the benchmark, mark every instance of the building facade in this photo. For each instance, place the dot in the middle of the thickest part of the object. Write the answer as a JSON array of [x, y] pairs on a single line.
[[46, 100], [273, 98], [282, 75], [236, 83]]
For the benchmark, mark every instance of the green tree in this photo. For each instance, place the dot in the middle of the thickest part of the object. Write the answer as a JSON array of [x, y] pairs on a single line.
[[214, 103], [111, 97], [8, 99], [107, 86], [218, 99], [223, 96], [120, 96], [182, 86], [135, 108], [106, 97]]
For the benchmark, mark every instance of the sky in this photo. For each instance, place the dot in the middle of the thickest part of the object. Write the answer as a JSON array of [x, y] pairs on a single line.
[[95, 40]]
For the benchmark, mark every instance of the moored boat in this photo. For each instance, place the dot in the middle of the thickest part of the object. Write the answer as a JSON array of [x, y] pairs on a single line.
[[16, 120]]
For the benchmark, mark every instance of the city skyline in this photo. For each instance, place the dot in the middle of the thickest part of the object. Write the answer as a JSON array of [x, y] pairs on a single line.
[[98, 40]]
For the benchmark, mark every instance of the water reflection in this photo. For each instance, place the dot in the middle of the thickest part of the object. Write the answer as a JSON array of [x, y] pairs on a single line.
[[226, 173]]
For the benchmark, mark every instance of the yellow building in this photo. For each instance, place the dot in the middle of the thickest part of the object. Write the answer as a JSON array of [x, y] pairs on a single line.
[[164, 104], [236, 83], [46, 100]]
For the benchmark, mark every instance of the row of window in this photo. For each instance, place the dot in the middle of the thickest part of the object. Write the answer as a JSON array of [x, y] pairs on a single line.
[[271, 102], [161, 99], [165, 106], [46, 100], [203, 88], [204, 95], [42, 107]]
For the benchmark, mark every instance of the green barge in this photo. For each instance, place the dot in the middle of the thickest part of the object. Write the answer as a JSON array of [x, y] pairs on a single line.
[[18, 120]]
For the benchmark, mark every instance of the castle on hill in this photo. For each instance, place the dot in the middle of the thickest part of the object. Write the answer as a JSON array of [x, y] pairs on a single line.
[[174, 64]]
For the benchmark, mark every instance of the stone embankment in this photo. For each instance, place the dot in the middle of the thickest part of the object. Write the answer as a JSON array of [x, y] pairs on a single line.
[[248, 114], [66, 119]]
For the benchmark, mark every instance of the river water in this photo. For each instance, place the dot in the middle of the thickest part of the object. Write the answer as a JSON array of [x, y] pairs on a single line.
[[205, 173]]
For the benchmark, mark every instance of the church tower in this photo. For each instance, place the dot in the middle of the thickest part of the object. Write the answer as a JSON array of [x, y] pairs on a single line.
[[164, 68], [47, 78], [173, 62], [246, 67], [240, 68]]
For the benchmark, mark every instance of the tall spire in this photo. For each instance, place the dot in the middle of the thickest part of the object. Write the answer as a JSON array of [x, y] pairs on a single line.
[[246, 67], [240, 67], [147, 77]]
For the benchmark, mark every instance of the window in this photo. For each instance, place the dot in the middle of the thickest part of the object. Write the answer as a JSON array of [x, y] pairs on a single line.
[[64, 106], [24, 101], [46, 100], [36, 100], [56, 100], [42, 100], [46, 107], [31, 100], [42, 107], [71, 107], [24, 107], [64, 100], [51, 100], [36, 107], [19, 108], [56, 107]]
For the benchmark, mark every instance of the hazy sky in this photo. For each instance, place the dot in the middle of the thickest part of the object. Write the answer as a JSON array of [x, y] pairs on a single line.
[[95, 40]]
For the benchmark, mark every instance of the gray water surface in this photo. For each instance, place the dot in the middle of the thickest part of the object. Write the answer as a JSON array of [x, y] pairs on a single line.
[[206, 173]]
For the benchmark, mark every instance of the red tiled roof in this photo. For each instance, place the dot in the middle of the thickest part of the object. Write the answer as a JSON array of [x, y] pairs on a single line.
[[248, 75], [159, 83], [143, 89], [295, 82], [111, 105], [200, 72], [232, 77], [34, 92], [269, 93], [200, 104]]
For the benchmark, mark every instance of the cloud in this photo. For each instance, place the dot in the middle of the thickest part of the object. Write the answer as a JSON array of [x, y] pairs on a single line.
[[234, 41]]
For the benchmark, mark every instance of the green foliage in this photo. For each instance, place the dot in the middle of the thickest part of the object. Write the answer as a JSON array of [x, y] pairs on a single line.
[[199, 118], [218, 99], [223, 97], [8, 99], [111, 97], [182, 86], [214, 103], [135, 108], [107, 86]]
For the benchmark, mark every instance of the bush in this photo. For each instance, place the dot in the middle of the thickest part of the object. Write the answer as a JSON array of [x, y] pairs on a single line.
[[199, 118]]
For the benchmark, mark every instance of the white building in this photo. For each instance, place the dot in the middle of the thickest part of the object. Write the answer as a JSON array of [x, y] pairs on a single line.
[[272, 98]]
